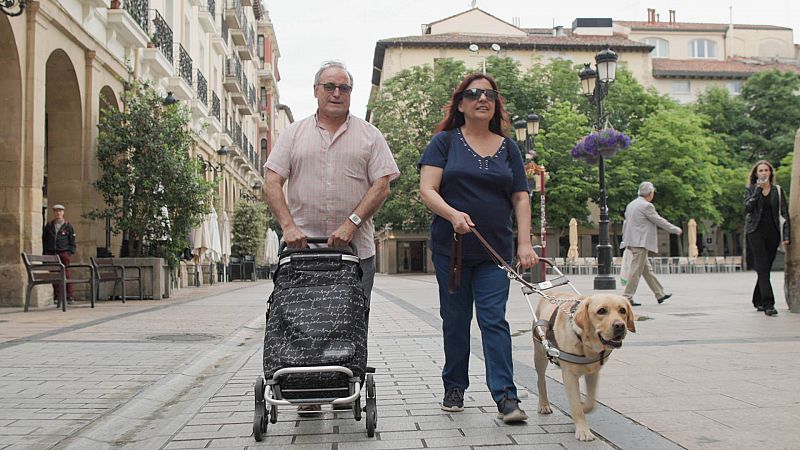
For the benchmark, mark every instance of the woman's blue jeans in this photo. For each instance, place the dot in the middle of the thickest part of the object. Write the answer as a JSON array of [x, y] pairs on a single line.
[[485, 285]]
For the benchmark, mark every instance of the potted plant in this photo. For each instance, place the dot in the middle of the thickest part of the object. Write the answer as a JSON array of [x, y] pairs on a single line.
[[605, 143], [116, 4], [153, 40]]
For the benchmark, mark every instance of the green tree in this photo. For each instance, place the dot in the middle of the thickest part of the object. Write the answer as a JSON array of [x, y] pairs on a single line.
[[628, 103], [249, 228], [571, 183], [407, 110], [774, 107], [727, 117], [152, 189], [674, 151]]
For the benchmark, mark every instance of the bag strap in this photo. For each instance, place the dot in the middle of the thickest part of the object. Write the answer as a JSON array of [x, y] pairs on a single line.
[[454, 277]]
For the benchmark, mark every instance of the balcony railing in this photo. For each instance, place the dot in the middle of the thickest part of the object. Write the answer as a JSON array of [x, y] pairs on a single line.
[[233, 68], [237, 135], [252, 97], [202, 88], [162, 35], [215, 105], [212, 8], [184, 64], [225, 31], [252, 154], [243, 80], [138, 11]]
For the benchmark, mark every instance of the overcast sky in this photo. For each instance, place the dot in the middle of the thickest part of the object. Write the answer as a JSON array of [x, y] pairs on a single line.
[[312, 31]]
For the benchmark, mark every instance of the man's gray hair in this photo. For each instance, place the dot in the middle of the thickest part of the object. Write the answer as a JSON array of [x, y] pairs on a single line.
[[646, 188], [332, 65]]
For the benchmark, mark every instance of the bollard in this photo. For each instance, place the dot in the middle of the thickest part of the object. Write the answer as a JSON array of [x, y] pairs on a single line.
[[535, 274]]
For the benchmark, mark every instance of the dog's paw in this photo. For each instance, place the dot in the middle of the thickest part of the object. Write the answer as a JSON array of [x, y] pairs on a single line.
[[583, 434], [545, 409]]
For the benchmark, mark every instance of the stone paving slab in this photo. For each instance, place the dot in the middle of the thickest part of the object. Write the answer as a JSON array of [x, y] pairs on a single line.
[[699, 370]]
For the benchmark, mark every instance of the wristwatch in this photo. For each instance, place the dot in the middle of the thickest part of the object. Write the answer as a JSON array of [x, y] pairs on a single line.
[[355, 219]]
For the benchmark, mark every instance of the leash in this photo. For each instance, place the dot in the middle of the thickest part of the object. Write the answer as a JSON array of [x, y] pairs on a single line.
[[542, 328]]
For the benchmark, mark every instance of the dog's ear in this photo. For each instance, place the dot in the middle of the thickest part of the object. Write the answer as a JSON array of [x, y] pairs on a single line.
[[630, 319], [581, 318]]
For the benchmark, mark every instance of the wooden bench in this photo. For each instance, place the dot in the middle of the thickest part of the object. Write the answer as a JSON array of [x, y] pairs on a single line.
[[48, 269], [105, 270]]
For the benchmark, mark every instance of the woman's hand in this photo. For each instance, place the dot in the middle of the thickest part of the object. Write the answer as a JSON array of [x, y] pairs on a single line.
[[461, 222], [787, 242], [527, 257]]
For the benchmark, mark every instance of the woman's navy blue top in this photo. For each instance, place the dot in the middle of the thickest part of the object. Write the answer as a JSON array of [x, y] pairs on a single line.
[[479, 186]]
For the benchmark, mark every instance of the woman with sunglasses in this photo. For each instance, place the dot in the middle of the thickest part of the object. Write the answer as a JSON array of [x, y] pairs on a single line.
[[472, 175]]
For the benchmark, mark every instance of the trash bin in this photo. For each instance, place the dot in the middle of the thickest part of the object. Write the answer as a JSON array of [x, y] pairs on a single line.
[[535, 274]]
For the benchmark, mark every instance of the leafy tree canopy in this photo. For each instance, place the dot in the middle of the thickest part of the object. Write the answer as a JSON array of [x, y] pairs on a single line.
[[249, 228], [153, 191]]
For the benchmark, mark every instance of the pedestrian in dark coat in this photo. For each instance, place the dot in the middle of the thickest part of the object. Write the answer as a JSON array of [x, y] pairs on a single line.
[[58, 238], [765, 206]]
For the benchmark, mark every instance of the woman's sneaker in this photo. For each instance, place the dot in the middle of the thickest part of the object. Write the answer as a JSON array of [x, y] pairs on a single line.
[[453, 400], [509, 411]]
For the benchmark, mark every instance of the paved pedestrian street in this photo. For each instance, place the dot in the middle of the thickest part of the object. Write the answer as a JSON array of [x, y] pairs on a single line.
[[704, 371]]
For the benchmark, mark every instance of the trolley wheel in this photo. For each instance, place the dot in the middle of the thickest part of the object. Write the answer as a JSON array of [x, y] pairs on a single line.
[[273, 414], [260, 415], [370, 386], [372, 416]]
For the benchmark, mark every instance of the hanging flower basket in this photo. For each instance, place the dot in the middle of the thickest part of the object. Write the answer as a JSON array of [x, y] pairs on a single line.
[[532, 170], [605, 143]]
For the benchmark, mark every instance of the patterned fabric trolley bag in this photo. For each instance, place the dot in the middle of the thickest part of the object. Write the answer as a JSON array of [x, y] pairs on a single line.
[[317, 316]]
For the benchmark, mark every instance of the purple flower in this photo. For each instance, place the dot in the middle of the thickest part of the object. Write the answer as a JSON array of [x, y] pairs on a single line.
[[589, 147]]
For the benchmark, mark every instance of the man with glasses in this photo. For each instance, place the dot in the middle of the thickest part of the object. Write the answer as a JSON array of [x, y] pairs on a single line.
[[338, 168]]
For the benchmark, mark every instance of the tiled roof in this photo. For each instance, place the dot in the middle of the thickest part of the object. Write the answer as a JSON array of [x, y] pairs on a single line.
[[701, 68], [548, 31], [616, 42], [692, 26]]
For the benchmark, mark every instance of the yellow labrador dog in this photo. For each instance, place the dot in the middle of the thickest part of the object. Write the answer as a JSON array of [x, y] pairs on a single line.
[[590, 329]]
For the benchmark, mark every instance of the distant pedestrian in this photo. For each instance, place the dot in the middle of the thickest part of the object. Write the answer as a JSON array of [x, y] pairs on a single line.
[[640, 236], [338, 168], [472, 175], [765, 206], [58, 238]]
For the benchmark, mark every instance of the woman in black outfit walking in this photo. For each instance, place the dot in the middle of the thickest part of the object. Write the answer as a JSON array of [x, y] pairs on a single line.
[[764, 204]]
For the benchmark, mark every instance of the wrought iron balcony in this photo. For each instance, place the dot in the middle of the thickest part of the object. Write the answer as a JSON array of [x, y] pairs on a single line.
[[202, 88], [215, 105], [138, 11], [184, 64], [212, 8], [237, 135], [233, 14], [162, 36]]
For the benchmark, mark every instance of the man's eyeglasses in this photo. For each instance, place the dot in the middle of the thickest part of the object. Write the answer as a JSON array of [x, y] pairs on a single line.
[[331, 87], [475, 94]]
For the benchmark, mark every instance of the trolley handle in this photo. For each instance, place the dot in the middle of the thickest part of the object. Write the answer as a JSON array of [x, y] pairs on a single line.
[[318, 240]]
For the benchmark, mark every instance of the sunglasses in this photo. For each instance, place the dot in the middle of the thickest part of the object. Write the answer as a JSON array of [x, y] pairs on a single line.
[[475, 94], [331, 87]]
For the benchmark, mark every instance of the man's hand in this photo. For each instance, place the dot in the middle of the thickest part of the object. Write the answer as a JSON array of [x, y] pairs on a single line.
[[294, 238], [343, 235]]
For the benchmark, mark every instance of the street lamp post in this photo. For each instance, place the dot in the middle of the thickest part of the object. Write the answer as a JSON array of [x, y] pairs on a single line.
[[594, 85]]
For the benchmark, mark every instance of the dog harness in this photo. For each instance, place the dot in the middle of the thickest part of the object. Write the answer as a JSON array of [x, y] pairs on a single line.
[[554, 354], [549, 325]]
